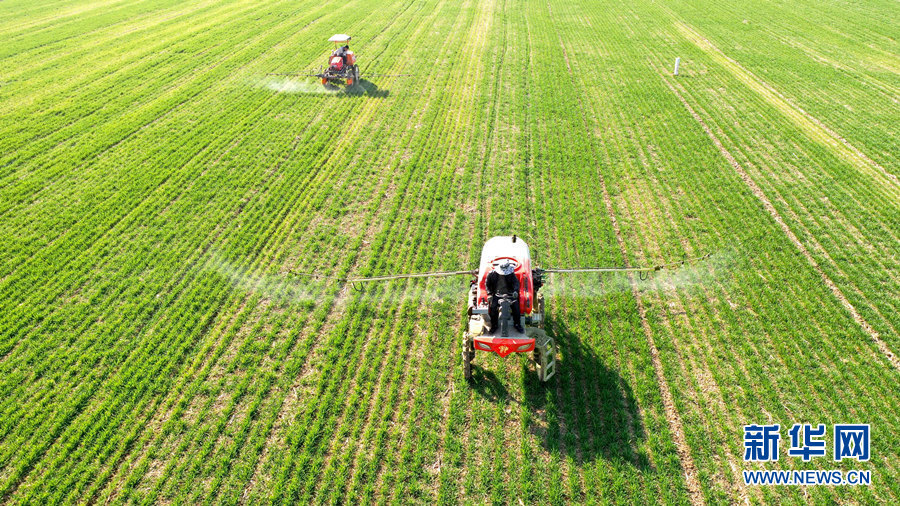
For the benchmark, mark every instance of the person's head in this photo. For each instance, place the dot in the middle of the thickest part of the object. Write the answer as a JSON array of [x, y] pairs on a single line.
[[504, 267]]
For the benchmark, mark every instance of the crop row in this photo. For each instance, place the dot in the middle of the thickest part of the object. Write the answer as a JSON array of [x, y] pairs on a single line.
[[732, 342], [156, 192], [192, 265], [845, 75]]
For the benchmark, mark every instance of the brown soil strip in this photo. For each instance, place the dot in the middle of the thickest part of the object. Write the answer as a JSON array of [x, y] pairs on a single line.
[[707, 388], [672, 417], [757, 191], [298, 389], [816, 130], [818, 248]]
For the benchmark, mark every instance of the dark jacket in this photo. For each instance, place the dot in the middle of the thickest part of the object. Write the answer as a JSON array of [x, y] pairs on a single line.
[[506, 284]]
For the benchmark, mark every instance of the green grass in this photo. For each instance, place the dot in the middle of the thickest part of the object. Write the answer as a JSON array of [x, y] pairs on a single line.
[[156, 187]]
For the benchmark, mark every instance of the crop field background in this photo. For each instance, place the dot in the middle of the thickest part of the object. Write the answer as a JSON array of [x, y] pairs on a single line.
[[156, 187]]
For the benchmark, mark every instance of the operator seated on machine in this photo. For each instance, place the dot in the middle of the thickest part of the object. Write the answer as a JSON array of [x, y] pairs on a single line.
[[342, 52], [503, 281]]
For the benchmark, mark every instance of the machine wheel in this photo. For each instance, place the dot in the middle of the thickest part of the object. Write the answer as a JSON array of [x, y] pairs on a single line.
[[540, 310], [468, 354], [545, 357], [467, 367], [354, 76]]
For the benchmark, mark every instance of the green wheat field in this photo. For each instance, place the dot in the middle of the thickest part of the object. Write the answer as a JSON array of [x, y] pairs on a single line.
[[158, 186]]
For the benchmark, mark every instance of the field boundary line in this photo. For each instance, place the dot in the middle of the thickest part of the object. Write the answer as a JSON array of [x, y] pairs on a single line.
[[691, 473], [341, 298], [708, 386], [812, 126], [767, 204], [817, 246], [817, 56]]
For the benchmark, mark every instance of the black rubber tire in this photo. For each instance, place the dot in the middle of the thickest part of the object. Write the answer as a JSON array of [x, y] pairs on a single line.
[[468, 355], [540, 309], [467, 366]]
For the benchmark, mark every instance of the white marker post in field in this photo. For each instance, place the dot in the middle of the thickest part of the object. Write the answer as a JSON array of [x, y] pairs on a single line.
[[677, 62]]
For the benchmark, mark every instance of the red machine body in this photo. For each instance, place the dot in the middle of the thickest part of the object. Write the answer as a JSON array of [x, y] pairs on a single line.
[[342, 66], [515, 250]]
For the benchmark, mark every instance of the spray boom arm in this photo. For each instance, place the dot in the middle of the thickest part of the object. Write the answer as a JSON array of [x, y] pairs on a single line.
[[353, 281], [443, 274], [641, 270]]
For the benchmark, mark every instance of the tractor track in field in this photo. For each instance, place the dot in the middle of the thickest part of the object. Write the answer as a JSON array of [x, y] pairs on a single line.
[[563, 428], [169, 408], [282, 224], [887, 90], [79, 409], [184, 284], [134, 212], [707, 386], [811, 126], [818, 248], [456, 125], [231, 351], [57, 20], [453, 123], [175, 357], [269, 172], [776, 216], [676, 427], [672, 417], [860, 213], [388, 186], [146, 21]]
